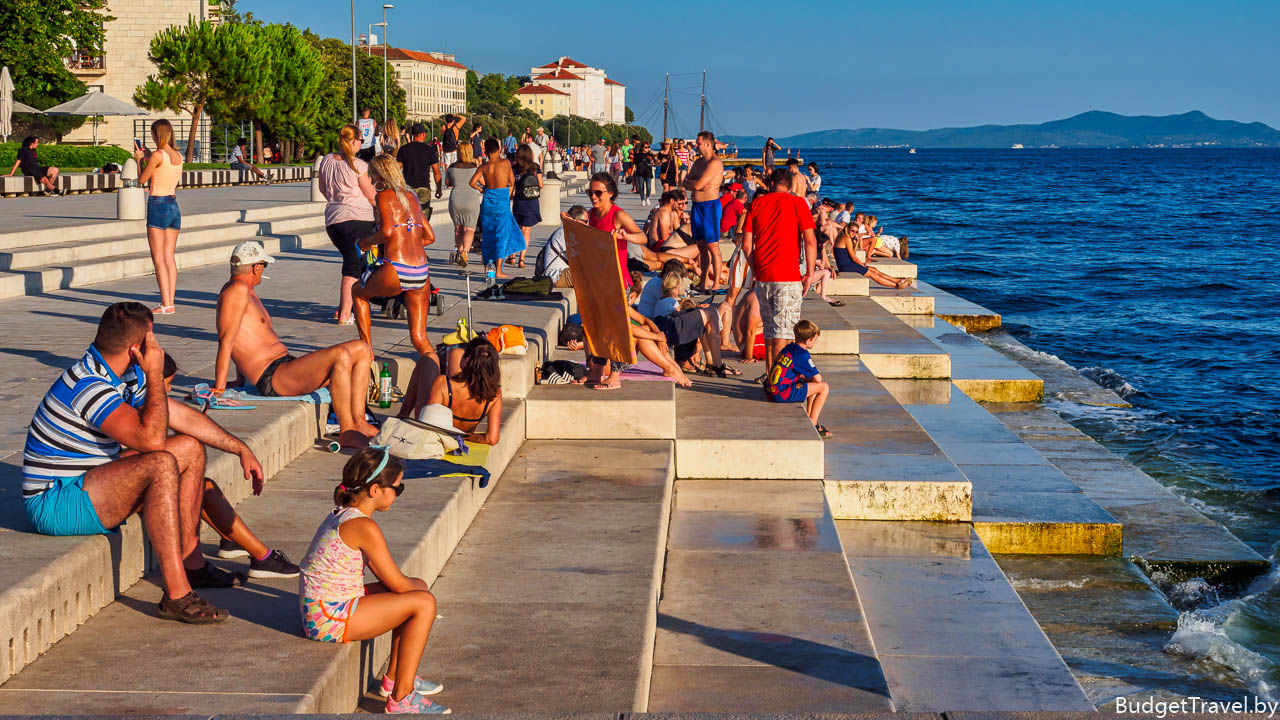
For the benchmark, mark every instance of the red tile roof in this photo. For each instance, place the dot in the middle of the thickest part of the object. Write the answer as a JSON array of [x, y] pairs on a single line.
[[561, 75], [539, 90], [569, 62], [610, 81], [402, 54]]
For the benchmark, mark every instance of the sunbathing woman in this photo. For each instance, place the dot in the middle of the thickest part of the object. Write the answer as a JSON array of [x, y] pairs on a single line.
[[402, 262], [846, 262], [474, 392]]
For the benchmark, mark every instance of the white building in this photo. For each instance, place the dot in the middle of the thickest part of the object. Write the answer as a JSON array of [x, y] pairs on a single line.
[[434, 83], [592, 94]]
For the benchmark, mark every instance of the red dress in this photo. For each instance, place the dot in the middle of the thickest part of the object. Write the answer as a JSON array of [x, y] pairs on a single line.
[[606, 223]]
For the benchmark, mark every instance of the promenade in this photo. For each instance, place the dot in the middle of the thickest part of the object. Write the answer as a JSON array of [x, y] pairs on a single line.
[[652, 549]]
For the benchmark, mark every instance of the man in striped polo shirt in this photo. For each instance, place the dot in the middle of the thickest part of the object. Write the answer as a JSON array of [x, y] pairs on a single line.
[[77, 479]]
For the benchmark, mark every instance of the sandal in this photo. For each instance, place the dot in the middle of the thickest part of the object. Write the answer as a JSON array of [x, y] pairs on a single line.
[[164, 310], [725, 370], [212, 576], [836, 303], [822, 431], [191, 609]]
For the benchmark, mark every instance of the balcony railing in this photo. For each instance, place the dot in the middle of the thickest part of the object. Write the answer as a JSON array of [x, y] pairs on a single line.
[[87, 61]]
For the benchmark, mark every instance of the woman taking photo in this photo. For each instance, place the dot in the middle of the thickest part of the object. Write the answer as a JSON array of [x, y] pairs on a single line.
[[403, 233], [526, 209], [164, 219], [348, 211], [464, 204]]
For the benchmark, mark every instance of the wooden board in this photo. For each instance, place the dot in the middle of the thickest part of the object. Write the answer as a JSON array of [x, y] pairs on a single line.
[[602, 296]]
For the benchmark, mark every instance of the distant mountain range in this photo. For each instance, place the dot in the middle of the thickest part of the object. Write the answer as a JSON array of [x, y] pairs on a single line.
[[1095, 129]]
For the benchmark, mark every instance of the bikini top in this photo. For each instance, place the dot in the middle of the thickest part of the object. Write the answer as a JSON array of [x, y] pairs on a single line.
[[448, 384]]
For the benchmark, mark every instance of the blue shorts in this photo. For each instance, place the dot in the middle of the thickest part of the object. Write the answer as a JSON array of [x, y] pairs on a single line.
[[798, 392], [163, 213], [64, 509], [704, 220]]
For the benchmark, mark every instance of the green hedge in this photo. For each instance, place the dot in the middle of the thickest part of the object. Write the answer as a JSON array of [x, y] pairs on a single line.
[[66, 155]]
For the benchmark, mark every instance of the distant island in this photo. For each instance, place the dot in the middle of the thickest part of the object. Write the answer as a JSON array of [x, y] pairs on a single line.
[[1095, 129]]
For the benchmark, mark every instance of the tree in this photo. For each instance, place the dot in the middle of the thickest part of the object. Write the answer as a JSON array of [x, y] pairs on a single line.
[[296, 72], [186, 59], [332, 99], [629, 116], [37, 37]]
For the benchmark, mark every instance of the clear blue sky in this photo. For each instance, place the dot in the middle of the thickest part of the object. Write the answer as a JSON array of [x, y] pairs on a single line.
[[851, 64]]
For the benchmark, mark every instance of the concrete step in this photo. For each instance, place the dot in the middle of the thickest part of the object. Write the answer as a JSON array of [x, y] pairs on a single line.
[[907, 301], [982, 373], [950, 632], [284, 211], [894, 267], [1162, 533], [838, 336], [549, 601], [50, 254], [1021, 502], [889, 347], [14, 283], [880, 464], [758, 612], [636, 411], [725, 428], [848, 284], [958, 311], [421, 530]]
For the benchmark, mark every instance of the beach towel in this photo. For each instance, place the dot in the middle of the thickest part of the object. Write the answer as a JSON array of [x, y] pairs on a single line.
[[248, 392], [202, 397], [501, 235], [469, 465], [645, 371]]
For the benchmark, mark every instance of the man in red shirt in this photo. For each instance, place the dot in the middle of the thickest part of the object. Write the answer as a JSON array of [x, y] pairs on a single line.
[[771, 237], [732, 211]]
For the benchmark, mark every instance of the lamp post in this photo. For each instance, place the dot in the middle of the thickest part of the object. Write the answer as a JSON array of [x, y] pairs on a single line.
[[385, 8], [368, 45], [354, 115]]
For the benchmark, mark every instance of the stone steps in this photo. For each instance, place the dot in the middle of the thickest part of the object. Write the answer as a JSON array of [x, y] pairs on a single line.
[[880, 464], [550, 599], [1021, 502], [758, 612], [958, 311], [982, 373], [889, 347], [907, 301], [950, 632], [838, 336]]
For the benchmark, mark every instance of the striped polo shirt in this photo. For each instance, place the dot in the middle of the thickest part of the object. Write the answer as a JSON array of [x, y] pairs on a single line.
[[65, 438]]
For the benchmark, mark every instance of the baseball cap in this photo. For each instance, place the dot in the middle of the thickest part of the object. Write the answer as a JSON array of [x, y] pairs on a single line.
[[735, 187], [250, 253]]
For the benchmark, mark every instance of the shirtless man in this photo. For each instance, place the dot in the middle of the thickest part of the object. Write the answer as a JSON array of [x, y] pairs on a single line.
[[662, 229], [246, 337], [799, 183], [703, 182]]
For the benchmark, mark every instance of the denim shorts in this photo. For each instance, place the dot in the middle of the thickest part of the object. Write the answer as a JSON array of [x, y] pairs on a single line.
[[64, 509], [163, 213]]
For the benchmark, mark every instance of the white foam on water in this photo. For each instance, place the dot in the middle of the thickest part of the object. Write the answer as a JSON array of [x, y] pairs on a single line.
[[1032, 583], [1109, 379]]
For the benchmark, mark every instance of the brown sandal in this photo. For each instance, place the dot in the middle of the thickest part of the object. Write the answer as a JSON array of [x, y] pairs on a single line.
[[192, 609]]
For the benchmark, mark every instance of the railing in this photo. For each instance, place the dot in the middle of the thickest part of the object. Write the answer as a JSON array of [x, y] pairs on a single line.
[[87, 61]]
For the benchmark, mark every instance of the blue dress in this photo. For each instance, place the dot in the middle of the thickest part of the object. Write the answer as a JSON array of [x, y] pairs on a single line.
[[501, 235]]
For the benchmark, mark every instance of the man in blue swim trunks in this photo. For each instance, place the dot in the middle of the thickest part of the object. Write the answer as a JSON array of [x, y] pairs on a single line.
[[703, 182], [78, 478]]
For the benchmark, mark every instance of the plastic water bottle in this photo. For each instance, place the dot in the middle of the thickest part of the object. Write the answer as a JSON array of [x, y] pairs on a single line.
[[491, 273], [384, 386]]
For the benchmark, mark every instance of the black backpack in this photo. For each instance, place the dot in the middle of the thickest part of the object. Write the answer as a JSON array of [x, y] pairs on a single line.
[[528, 186]]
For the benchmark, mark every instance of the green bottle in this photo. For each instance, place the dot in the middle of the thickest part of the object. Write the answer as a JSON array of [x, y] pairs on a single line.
[[384, 386]]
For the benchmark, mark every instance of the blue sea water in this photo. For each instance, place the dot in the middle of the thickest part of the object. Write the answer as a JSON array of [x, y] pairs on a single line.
[[1154, 272]]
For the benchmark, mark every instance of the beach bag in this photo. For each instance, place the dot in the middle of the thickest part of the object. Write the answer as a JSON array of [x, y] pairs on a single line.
[[540, 262], [528, 187], [527, 286], [509, 340], [413, 440]]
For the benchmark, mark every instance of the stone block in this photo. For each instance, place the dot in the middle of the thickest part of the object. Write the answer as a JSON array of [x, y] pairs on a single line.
[[636, 411]]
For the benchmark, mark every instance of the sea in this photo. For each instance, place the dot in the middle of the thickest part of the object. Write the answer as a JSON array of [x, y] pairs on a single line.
[[1153, 272]]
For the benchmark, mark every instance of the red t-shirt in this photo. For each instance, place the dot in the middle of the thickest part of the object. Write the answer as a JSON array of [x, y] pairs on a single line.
[[732, 209], [775, 222]]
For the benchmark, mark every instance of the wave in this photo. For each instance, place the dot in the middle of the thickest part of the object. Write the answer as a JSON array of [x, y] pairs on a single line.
[[1111, 380], [1033, 583]]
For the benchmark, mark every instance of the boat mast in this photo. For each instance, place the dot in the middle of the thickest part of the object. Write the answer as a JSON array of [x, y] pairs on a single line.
[[666, 103], [702, 108]]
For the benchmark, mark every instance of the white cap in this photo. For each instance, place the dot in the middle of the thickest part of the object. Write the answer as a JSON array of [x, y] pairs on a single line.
[[250, 253]]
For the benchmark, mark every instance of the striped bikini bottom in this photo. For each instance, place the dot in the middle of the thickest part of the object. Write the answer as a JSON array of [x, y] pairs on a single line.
[[412, 277]]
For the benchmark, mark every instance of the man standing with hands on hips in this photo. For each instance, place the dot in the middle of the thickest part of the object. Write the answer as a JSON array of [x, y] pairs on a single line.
[[703, 182]]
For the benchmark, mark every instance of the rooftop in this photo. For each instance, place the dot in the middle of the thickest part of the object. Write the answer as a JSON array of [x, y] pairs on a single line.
[[402, 54], [561, 75], [539, 90]]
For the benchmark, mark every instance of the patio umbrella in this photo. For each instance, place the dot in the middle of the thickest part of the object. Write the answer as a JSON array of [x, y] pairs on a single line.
[[6, 103], [94, 105], [25, 108]]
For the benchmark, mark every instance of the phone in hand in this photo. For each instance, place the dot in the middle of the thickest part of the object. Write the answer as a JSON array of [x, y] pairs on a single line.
[[137, 145]]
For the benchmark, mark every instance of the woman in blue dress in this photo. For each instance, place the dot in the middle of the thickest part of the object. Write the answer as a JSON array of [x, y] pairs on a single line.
[[502, 237]]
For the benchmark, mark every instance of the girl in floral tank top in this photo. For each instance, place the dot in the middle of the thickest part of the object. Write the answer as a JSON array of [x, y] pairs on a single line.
[[337, 605]]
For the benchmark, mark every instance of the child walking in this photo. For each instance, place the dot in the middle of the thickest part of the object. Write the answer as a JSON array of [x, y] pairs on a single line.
[[336, 604], [794, 377]]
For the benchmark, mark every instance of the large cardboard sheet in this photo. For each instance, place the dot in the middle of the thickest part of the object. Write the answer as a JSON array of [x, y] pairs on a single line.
[[602, 296]]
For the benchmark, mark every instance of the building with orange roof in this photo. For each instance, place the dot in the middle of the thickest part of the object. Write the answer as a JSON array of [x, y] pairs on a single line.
[[592, 93], [434, 83], [547, 102]]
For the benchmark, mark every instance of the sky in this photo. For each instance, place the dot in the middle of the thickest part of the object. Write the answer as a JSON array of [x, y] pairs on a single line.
[[785, 68]]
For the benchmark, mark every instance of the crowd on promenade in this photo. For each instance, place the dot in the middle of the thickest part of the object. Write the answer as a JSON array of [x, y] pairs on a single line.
[[108, 439]]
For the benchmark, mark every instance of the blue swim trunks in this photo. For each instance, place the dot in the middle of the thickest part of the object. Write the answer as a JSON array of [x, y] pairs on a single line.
[[64, 509], [704, 220]]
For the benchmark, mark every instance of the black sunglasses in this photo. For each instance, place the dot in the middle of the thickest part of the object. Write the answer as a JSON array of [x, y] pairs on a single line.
[[596, 193], [398, 488]]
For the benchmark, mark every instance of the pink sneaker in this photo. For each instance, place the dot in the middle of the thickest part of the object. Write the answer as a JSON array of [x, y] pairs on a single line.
[[420, 686], [413, 703]]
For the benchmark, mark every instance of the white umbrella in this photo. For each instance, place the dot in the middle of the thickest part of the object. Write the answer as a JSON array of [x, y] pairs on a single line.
[[25, 108], [6, 103], [93, 105]]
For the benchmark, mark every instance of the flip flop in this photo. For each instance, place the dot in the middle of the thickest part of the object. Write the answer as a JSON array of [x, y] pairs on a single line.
[[836, 303], [822, 431]]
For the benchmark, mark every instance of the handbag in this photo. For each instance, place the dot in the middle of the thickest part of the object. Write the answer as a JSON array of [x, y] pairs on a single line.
[[411, 440]]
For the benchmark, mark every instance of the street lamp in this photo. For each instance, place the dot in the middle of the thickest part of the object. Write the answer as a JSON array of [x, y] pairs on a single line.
[[368, 45], [385, 61]]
